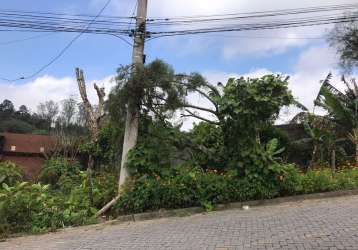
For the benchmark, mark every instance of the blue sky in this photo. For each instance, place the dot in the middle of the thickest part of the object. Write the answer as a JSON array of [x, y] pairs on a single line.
[[215, 56]]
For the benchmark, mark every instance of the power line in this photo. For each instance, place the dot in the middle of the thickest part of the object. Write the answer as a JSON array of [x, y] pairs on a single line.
[[64, 14], [49, 21], [264, 37], [27, 21], [25, 39], [65, 48], [123, 39], [259, 26], [133, 12], [249, 14]]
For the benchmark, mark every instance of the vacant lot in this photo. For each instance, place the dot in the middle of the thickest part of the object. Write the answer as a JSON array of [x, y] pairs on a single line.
[[316, 224]]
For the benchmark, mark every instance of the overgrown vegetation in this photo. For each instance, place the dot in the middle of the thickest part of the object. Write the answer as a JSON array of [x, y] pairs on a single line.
[[235, 152], [60, 200]]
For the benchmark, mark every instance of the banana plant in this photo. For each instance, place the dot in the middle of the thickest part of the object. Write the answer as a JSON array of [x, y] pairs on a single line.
[[342, 107]]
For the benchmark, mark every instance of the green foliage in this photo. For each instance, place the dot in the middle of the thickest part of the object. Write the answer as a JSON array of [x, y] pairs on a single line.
[[19, 121], [156, 89], [159, 148], [10, 174], [55, 168], [246, 108], [193, 187], [344, 38], [105, 149], [104, 189], [12, 125], [342, 107], [208, 150], [27, 207]]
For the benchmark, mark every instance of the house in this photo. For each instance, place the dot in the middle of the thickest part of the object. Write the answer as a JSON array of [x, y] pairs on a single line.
[[26, 150]]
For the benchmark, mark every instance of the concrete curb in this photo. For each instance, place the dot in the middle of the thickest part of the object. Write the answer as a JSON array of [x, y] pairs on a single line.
[[235, 205]]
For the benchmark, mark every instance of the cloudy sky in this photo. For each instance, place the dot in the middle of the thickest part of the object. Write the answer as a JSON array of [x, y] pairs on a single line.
[[295, 52]]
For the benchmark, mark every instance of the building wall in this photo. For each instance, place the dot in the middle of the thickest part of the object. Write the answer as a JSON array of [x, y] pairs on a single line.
[[31, 165]]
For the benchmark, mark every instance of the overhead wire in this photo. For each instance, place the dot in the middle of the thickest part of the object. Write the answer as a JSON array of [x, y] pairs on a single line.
[[25, 39], [119, 26], [291, 11], [63, 50]]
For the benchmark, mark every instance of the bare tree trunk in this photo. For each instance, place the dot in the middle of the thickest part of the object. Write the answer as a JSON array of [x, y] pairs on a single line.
[[94, 116]]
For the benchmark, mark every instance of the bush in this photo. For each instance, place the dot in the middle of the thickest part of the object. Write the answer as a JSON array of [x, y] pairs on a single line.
[[324, 180], [191, 187], [318, 181], [10, 174], [55, 168], [34, 208], [27, 207], [104, 190]]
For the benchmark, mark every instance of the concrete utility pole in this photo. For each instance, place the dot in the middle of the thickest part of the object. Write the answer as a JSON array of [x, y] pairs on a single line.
[[132, 118]]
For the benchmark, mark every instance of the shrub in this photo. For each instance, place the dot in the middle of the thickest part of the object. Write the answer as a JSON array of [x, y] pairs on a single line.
[[347, 179], [34, 208], [10, 174], [27, 207], [191, 187], [318, 181], [104, 189], [55, 168], [290, 181]]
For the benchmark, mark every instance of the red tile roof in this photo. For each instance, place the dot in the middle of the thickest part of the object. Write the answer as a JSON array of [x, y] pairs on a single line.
[[26, 143]]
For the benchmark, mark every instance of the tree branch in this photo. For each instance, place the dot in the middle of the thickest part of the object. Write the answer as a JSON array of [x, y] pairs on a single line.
[[185, 105], [191, 114]]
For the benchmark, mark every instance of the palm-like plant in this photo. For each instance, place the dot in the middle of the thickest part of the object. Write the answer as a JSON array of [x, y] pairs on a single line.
[[354, 138], [342, 107]]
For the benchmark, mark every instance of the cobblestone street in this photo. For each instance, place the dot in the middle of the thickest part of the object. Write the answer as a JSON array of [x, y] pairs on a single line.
[[313, 224]]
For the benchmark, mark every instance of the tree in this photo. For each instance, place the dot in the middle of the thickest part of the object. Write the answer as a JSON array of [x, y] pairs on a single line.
[[344, 38], [342, 107], [48, 111], [159, 93], [23, 110], [15, 126], [81, 118], [69, 110], [7, 107], [94, 117]]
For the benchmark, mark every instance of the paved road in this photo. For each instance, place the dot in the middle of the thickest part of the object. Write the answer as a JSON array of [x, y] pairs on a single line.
[[315, 224]]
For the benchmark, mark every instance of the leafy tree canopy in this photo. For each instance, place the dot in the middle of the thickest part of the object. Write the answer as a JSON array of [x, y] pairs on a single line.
[[344, 37]]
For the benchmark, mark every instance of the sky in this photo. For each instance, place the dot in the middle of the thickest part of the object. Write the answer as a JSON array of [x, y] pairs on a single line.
[[295, 52]]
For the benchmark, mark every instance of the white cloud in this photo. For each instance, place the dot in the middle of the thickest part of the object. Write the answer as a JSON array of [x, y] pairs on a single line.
[[233, 44], [48, 88], [312, 66]]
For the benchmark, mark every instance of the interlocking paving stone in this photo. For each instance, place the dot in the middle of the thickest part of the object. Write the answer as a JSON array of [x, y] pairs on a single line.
[[313, 224]]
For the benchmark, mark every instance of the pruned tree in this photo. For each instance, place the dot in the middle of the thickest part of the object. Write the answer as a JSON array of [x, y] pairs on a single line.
[[93, 117]]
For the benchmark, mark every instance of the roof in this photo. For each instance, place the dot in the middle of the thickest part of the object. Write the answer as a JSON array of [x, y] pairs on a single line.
[[26, 143]]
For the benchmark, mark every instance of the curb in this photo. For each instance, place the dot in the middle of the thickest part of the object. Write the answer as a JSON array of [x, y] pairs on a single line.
[[163, 213]]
